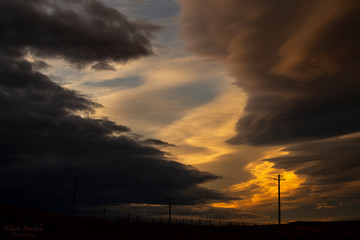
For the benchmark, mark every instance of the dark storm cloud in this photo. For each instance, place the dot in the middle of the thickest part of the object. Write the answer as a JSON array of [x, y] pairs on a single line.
[[158, 142], [298, 61], [326, 160], [45, 141], [80, 31], [102, 66]]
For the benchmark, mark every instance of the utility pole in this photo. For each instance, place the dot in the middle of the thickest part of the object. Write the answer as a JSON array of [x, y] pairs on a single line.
[[170, 207], [104, 213], [74, 199], [128, 215], [279, 210]]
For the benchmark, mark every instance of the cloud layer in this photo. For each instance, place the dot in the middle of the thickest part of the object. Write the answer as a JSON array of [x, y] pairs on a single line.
[[325, 163], [46, 140], [298, 61], [81, 32]]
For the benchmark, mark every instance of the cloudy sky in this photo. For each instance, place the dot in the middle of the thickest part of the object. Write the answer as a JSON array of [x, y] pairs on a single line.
[[205, 100]]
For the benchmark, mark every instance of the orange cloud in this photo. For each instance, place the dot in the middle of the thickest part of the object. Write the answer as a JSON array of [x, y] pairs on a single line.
[[262, 190]]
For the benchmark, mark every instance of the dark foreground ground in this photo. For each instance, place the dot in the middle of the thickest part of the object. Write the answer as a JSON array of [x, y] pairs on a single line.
[[17, 223]]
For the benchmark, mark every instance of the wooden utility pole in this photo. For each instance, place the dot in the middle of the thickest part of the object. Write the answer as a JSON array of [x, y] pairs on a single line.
[[170, 207], [74, 199], [279, 209], [128, 215]]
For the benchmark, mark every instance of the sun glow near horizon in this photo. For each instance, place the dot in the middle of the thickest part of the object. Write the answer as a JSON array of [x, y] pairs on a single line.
[[262, 189]]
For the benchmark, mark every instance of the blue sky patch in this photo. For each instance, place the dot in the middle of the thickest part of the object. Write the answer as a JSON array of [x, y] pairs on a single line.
[[126, 82]]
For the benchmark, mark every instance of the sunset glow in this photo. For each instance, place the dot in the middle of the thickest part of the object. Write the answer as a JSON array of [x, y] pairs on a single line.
[[262, 189], [205, 101]]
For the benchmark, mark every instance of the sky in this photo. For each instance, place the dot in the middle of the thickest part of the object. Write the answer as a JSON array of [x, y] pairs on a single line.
[[205, 100]]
